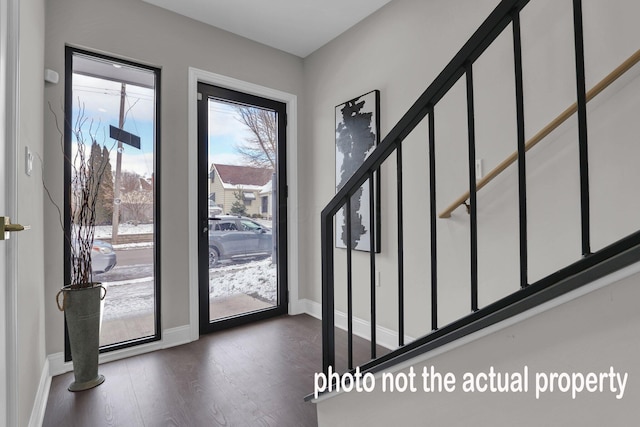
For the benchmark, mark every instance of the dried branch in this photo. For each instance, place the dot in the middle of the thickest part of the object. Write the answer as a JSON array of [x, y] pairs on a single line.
[[86, 178], [260, 149]]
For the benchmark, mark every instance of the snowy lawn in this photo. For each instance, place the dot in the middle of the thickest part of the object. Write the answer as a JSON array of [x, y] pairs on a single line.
[[143, 245], [104, 231], [254, 278]]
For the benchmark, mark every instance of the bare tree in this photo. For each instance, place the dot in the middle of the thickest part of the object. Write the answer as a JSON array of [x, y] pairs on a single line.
[[130, 181], [136, 205], [260, 149]]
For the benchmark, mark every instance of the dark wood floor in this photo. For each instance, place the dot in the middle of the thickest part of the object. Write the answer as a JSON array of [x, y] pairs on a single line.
[[254, 375]]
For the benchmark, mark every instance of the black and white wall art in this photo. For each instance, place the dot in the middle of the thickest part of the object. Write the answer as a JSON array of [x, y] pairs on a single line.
[[357, 134]]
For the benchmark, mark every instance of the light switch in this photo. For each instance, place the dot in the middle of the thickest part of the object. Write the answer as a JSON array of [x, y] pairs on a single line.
[[28, 161]]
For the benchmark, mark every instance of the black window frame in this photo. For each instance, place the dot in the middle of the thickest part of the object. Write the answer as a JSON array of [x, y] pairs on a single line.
[[70, 51]]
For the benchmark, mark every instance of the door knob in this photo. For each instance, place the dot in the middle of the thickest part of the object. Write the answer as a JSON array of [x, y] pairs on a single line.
[[6, 227]]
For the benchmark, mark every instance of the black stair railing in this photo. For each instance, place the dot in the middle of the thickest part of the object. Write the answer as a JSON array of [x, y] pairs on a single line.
[[589, 268]]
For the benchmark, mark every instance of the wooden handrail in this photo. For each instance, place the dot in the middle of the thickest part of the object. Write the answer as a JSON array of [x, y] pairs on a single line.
[[602, 85]]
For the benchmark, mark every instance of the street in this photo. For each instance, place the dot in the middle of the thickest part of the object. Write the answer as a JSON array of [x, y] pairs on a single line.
[[131, 264], [130, 290], [130, 285]]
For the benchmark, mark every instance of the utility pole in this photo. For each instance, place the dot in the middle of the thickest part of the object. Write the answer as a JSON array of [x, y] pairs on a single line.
[[116, 186]]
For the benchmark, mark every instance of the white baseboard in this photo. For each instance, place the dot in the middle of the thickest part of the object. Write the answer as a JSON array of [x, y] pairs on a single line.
[[42, 396], [170, 338], [176, 336], [385, 337], [298, 307]]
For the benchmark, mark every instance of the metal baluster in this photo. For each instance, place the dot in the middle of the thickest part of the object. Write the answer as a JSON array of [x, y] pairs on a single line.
[[349, 287], [328, 303], [582, 128], [522, 174], [433, 219], [400, 249], [472, 188], [372, 254]]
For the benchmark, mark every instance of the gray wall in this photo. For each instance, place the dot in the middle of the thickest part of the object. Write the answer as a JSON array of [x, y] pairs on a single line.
[[400, 50], [141, 32]]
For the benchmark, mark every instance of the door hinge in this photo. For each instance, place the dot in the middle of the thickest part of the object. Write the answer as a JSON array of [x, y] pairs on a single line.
[[199, 96]]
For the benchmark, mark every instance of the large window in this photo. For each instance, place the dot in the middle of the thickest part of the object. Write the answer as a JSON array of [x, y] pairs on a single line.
[[111, 112]]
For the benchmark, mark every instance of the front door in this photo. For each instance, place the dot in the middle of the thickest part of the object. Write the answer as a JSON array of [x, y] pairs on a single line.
[[242, 207]]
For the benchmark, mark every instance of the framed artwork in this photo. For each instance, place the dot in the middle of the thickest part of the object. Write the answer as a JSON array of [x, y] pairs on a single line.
[[357, 135]]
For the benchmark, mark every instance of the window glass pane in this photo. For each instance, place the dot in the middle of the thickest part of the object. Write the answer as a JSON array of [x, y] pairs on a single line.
[[113, 122], [242, 159]]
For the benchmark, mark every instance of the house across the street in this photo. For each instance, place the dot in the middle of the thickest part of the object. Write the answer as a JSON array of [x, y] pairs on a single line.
[[250, 185]]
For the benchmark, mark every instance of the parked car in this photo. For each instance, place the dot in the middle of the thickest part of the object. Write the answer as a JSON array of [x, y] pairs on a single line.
[[103, 257], [214, 209], [234, 237]]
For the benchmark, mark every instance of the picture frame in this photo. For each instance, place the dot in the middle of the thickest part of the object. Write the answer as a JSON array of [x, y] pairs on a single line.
[[357, 133]]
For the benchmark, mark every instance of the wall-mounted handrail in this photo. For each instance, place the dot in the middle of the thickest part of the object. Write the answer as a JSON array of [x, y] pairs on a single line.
[[554, 124]]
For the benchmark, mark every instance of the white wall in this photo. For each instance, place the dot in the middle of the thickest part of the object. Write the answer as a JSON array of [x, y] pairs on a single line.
[[30, 288], [400, 50], [389, 51], [590, 334], [141, 32]]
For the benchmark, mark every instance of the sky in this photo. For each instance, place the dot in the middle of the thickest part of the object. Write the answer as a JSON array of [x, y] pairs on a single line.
[[226, 132], [101, 101]]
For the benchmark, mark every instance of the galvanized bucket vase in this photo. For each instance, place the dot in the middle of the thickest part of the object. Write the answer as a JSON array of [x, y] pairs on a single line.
[[82, 312]]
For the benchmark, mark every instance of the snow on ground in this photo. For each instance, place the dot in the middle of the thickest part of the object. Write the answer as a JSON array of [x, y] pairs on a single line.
[[142, 245], [255, 278], [134, 299], [132, 292], [103, 231]]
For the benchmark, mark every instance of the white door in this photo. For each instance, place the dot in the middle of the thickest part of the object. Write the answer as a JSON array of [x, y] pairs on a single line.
[[3, 252], [8, 47]]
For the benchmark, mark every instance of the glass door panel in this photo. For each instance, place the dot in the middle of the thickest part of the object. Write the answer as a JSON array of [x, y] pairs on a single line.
[[240, 142]]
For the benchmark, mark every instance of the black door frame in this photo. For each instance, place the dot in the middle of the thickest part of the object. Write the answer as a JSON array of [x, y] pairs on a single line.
[[205, 92]]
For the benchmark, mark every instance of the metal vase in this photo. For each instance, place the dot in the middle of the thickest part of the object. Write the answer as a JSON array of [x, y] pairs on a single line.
[[82, 311]]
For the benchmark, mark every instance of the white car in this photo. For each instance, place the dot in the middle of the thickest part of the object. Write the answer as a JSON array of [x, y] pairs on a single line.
[[103, 257], [214, 210]]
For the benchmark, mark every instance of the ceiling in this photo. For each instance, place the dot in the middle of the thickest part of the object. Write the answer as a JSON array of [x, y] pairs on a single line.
[[295, 26]]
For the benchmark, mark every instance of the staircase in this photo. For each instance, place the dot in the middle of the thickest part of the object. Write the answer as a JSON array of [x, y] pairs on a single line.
[[533, 286]]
